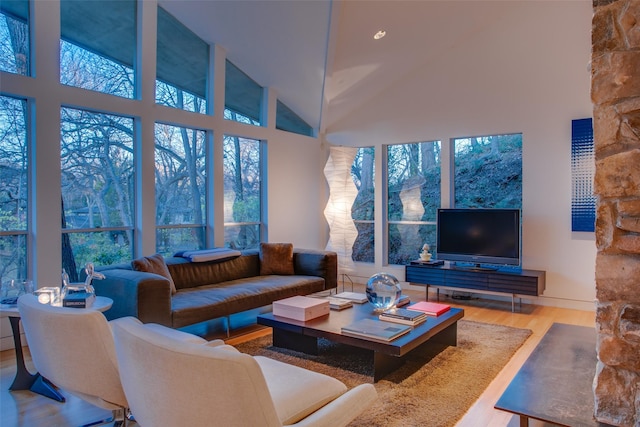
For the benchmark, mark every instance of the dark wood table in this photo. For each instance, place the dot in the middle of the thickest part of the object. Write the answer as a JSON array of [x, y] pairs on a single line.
[[388, 356], [555, 383]]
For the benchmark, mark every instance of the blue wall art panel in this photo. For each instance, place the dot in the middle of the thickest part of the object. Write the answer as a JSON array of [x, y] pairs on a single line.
[[583, 167]]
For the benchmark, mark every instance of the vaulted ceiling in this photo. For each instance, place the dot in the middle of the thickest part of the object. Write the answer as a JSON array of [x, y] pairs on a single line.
[[320, 55]]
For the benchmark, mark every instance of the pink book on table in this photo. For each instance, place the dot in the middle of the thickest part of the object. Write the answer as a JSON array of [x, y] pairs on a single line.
[[431, 308]]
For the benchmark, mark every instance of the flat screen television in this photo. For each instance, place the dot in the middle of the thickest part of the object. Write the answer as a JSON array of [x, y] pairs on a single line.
[[479, 236]]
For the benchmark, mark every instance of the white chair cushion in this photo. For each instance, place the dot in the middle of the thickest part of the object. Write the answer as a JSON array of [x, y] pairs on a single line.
[[297, 392]]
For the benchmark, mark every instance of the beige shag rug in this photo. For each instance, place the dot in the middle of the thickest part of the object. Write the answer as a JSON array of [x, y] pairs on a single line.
[[430, 390]]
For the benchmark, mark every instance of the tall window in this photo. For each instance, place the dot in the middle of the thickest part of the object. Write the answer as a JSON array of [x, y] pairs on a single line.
[[237, 117], [242, 192], [363, 210], [96, 161], [180, 188], [289, 121], [13, 188], [413, 186], [98, 45], [488, 171], [181, 67], [14, 37], [242, 96]]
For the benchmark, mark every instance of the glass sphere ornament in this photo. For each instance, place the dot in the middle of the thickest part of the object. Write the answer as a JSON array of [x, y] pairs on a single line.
[[383, 291]]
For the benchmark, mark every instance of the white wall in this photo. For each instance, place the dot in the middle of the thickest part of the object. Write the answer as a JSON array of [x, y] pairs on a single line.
[[527, 74], [297, 191]]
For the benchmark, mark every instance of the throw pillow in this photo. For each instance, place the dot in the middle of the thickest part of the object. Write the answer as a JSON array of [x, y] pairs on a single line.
[[154, 264], [276, 258]]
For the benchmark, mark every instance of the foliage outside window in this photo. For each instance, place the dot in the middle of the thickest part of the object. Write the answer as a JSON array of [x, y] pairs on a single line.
[[95, 53], [97, 165], [180, 188], [488, 171], [363, 210], [14, 37], [413, 185], [182, 66], [242, 192], [13, 188]]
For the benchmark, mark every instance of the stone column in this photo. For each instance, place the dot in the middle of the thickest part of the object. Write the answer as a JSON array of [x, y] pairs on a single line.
[[615, 92]]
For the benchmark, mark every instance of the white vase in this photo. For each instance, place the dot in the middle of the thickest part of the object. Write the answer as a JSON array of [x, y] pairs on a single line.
[[425, 256]]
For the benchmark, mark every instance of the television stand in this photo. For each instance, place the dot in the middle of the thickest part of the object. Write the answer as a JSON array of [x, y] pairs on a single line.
[[475, 267], [500, 281]]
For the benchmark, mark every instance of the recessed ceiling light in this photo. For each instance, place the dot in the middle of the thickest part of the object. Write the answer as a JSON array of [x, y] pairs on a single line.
[[380, 34]]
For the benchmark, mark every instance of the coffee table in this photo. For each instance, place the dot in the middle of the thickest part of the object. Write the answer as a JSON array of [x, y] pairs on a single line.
[[387, 356]]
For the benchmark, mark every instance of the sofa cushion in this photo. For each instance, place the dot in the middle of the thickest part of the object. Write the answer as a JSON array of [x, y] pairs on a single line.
[[187, 274], [154, 264], [194, 305], [276, 258]]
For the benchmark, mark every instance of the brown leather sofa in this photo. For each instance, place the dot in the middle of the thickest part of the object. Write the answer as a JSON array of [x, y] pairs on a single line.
[[209, 290]]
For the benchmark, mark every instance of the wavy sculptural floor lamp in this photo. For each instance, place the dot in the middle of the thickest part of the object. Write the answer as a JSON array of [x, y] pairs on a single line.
[[342, 194]]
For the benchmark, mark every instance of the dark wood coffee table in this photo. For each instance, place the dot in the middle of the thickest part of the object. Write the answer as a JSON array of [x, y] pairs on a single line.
[[388, 356]]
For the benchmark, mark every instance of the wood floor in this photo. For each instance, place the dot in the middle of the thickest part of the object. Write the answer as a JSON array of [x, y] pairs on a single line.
[[26, 409]]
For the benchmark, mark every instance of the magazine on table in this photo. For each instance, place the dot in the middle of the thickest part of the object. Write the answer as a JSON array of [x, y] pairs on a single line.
[[404, 316], [375, 330]]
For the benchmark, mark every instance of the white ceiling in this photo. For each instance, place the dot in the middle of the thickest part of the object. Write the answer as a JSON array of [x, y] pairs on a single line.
[[288, 44]]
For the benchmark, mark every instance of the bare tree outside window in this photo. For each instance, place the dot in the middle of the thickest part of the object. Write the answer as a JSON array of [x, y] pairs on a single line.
[[242, 192], [14, 44], [82, 68], [363, 210], [13, 188], [96, 161], [14, 58], [180, 188], [171, 96], [413, 185]]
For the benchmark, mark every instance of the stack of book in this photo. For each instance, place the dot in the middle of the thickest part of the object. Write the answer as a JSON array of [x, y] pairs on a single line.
[[375, 330], [338, 303], [404, 316], [402, 301], [430, 308], [79, 300], [355, 297]]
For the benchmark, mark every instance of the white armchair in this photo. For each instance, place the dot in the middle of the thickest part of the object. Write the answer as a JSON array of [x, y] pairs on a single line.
[[74, 349], [169, 383]]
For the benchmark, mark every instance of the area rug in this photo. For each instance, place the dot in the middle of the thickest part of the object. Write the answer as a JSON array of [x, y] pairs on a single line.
[[434, 388]]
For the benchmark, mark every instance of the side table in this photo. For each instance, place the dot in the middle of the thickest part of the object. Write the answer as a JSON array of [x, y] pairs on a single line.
[[24, 380]]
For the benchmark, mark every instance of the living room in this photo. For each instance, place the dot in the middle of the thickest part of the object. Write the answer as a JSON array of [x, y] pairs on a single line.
[[503, 67]]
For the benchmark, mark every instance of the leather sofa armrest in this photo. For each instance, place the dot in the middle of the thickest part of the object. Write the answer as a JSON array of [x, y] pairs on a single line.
[[323, 264], [146, 296]]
